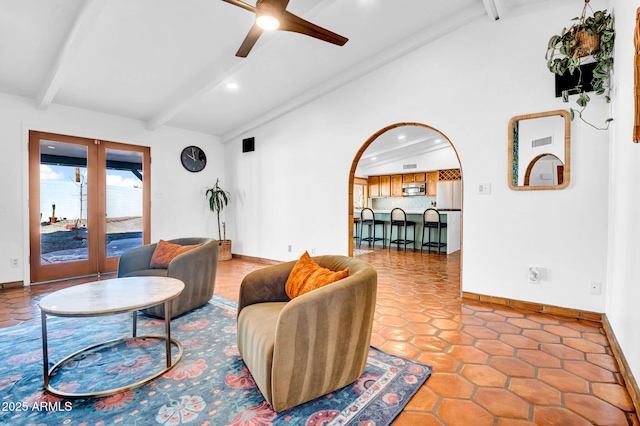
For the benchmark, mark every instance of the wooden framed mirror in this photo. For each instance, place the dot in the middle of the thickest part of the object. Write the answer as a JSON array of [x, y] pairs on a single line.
[[539, 151]]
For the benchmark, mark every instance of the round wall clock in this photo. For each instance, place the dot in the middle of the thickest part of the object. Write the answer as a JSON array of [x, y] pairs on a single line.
[[193, 159]]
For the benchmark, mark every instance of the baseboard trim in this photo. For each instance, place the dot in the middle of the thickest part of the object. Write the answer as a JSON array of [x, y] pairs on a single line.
[[14, 284], [629, 380], [255, 259], [625, 371], [536, 307]]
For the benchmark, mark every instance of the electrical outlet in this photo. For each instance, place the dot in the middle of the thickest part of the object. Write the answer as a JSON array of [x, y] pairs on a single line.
[[15, 262], [313, 252], [595, 287], [534, 275], [289, 248]]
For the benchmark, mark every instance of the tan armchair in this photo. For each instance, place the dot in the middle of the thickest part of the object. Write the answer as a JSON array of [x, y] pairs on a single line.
[[300, 349], [195, 268]]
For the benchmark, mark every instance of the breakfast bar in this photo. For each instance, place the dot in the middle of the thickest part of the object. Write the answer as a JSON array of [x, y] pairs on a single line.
[[450, 234]]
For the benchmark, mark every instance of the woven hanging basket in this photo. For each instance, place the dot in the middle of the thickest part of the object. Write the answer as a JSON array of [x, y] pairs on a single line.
[[224, 251], [587, 44]]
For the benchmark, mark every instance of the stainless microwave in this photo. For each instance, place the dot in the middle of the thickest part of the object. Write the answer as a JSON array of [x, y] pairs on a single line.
[[413, 188]]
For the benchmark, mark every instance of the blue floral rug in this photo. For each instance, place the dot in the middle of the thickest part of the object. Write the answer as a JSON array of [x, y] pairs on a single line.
[[209, 386]]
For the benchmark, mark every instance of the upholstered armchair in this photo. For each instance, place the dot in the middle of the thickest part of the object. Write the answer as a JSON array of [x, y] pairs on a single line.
[[303, 348], [196, 268]]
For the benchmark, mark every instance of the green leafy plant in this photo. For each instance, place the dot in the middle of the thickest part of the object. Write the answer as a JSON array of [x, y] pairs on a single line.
[[590, 38], [218, 199]]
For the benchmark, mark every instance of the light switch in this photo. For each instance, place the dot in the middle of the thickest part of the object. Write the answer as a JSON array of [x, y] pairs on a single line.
[[484, 188]]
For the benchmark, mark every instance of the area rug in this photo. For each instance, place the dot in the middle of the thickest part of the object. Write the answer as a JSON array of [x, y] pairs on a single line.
[[210, 385]]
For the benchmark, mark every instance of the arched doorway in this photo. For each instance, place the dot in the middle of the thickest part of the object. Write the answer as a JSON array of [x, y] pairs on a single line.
[[361, 152]]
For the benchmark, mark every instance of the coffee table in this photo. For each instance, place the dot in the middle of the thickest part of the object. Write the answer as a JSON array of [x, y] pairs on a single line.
[[110, 297]]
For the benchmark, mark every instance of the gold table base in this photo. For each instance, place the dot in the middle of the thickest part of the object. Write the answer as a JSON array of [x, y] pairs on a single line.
[[106, 392]]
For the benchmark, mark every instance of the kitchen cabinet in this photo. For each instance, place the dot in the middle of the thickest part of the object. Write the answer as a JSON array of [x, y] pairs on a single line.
[[396, 185], [413, 177], [385, 186], [432, 183], [373, 182], [391, 185]]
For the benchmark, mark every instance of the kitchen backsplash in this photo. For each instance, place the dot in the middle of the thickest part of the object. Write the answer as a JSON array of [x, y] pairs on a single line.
[[405, 203]]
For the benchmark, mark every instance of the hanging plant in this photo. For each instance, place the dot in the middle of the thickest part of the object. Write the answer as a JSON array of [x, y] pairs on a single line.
[[589, 39]]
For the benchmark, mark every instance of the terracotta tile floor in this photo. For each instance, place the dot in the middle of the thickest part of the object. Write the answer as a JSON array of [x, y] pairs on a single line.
[[492, 365]]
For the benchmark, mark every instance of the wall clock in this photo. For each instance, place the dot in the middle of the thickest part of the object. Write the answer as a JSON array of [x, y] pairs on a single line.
[[193, 159]]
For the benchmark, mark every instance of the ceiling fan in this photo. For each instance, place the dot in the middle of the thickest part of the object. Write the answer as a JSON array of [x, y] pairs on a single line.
[[273, 15]]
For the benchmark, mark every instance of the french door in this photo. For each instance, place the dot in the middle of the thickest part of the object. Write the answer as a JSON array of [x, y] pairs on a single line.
[[88, 202]]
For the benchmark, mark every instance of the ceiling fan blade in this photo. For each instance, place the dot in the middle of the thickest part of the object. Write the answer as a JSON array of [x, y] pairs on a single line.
[[278, 4], [296, 24], [249, 41], [241, 4]]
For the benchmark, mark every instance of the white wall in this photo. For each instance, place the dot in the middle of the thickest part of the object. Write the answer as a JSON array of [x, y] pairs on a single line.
[[178, 204], [294, 188], [623, 278]]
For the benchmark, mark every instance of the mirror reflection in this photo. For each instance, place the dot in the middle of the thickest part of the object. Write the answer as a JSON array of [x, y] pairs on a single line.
[[539, 150]]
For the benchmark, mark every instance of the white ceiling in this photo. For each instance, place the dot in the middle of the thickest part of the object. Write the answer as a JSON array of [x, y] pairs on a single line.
[[167, 62]]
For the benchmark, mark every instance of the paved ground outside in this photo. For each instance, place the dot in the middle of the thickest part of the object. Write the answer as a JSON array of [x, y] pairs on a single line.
[[62, 242]]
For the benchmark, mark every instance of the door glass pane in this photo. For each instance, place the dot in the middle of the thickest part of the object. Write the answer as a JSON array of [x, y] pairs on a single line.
[[63, 202], [124, 200], [359, 196]]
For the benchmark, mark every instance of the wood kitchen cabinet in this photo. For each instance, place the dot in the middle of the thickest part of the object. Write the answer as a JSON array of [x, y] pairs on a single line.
[[373, 182], [420, 177], [414, 177], [391, 185], [432, 183], [396, 185], [385, 186]]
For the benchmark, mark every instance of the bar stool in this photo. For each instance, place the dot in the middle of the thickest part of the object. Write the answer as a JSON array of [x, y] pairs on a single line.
[[399, 219], [367, 217], [356, 222], [431, 219]]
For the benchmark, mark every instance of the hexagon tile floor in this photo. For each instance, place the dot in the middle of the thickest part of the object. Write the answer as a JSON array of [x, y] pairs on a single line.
[[492, 365]]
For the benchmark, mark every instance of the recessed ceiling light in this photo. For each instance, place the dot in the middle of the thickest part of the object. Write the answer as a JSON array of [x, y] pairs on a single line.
[[401, 137], [232, 86], [51, 147], [374, 158]]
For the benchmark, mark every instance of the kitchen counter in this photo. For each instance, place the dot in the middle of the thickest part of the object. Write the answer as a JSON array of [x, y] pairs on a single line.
[[450, 234]]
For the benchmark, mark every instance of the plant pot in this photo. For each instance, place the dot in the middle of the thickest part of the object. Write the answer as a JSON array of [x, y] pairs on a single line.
[[224, 252], [53, 219], [587, 44]]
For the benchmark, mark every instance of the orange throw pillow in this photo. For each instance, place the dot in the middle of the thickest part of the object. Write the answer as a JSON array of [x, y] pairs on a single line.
[[307, 275], [165, 252]]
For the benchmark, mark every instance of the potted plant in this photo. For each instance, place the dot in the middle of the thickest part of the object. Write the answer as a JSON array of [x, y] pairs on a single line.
[[588, 39], [218, 199], [53, 218]]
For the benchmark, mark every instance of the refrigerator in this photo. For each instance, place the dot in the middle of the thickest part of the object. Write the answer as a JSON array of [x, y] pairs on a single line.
[[449, 195]]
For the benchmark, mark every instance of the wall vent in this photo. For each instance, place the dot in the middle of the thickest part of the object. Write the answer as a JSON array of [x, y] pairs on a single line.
[[409, 166], [248, 145], [543, 141]]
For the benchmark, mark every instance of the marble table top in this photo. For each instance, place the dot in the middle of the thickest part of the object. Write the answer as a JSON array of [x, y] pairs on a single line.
[[111, 296]]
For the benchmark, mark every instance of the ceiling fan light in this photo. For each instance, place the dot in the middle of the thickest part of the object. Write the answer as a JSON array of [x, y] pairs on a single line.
[[267, 22]]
